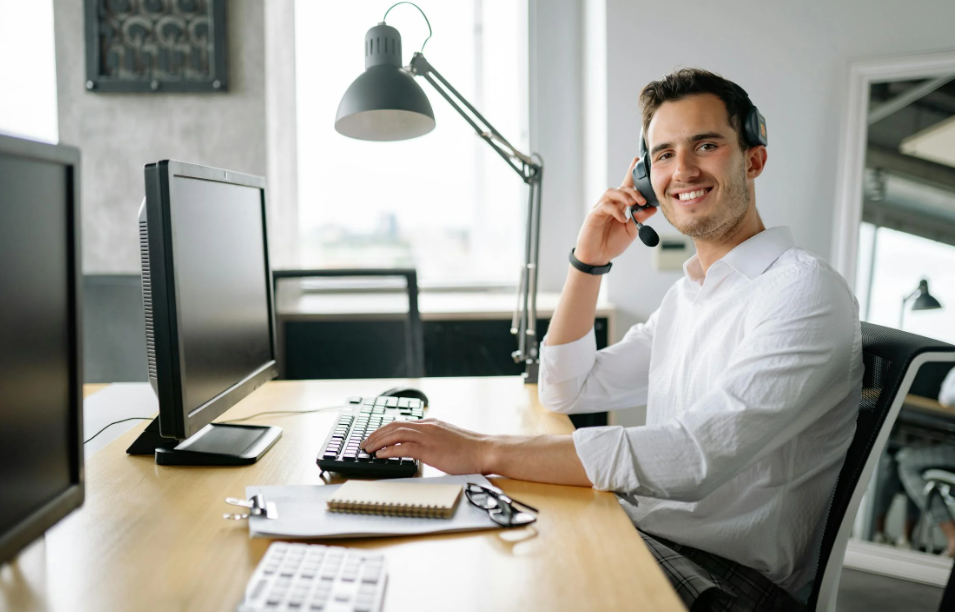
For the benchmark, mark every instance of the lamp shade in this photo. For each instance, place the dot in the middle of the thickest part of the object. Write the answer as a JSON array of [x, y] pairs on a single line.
[[384, 103], [925, 301]]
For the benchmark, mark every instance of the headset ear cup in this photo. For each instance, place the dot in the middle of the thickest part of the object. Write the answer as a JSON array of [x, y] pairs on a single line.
[[641, 180], [755, 128]]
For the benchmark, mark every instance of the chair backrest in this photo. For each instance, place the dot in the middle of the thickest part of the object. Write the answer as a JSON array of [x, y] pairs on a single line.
[[892, 359], [413, 344], [114, 328]]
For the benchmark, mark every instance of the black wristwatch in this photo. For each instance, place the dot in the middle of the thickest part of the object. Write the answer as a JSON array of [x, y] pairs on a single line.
[[595, 270]]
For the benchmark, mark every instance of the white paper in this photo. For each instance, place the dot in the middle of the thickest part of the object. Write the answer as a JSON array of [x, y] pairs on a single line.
[[303, 514]]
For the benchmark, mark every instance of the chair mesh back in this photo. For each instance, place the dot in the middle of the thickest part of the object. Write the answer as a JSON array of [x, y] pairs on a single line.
[[886, 355]]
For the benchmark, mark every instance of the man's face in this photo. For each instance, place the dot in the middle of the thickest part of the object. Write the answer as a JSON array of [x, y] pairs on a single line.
[[697, 169]]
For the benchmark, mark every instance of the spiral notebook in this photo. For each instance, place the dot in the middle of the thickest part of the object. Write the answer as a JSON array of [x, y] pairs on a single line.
[[396, 499]]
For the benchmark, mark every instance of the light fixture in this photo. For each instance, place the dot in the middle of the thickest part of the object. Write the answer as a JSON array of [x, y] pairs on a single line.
[[385, 103], [923, 300]]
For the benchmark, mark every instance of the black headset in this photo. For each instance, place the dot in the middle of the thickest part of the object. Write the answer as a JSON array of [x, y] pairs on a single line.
[[754, 133]]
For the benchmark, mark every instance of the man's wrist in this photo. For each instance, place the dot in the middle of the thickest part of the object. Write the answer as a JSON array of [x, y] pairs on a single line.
[[588, 258], [490, 455], [586, 267]]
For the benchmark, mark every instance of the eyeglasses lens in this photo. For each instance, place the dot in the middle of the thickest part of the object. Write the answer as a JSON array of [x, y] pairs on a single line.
[[503, 514]]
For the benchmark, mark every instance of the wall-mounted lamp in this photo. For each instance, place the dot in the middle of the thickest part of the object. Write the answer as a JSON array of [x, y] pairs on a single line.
[[923, 300]]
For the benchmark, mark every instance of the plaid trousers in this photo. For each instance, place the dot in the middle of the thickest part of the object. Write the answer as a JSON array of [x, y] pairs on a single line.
[[915, 460], [707, 582]]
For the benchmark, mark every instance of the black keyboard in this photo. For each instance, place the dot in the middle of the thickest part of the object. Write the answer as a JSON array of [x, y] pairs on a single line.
[[357, 419]]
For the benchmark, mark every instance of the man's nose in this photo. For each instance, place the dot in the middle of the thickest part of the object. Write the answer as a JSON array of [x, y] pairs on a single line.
[[685, 169]]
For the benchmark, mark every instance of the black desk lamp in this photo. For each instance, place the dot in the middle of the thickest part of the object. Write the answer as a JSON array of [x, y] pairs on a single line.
[[923, 300], [385, 103]]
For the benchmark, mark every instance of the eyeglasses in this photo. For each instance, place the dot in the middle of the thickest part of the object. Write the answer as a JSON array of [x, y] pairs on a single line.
[[502, 509]]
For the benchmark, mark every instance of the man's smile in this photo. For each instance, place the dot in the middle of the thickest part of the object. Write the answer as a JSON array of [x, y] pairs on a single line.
[[690, 197]]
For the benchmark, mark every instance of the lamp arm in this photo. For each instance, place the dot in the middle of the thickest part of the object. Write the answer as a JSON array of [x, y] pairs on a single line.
[[524, 324], [523, 164]]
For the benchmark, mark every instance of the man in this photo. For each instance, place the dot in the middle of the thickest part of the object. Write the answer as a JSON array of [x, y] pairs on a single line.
[[751, 371]]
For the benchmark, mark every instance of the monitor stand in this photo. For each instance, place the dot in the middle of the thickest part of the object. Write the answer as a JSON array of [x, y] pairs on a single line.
[[214, 444]]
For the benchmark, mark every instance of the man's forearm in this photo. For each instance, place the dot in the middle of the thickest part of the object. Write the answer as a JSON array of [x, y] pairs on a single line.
[[575, 312], [550, 459]]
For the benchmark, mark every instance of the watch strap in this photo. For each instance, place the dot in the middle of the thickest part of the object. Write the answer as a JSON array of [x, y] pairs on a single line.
[[587, 268]]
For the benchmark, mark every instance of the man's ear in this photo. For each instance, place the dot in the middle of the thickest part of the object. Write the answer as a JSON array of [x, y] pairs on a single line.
[[755, 161]]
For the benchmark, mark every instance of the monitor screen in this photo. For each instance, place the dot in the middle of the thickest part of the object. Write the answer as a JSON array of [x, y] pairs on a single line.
[[222, 285], [39, 384]]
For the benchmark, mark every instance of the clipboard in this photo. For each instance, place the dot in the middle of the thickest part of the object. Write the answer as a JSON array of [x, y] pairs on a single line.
[[300, 512]]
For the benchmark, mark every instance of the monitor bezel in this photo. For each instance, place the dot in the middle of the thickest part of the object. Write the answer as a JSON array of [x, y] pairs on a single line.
[[31, 528], [174, 421]]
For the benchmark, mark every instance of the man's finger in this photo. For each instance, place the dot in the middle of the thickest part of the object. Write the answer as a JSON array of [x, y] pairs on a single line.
[[628, 180], [399, 435], [383, 430], [616, 210], [636, 195], [620, 195], [405, 449]]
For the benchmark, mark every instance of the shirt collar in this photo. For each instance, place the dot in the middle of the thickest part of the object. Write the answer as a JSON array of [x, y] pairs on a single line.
[[750, 258]]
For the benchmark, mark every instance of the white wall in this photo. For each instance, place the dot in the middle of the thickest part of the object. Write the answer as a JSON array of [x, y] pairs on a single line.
[[556, 130], [792, 58]]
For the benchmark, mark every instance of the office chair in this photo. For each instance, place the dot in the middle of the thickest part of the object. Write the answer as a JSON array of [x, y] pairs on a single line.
[[948, 596], [351, 349], [892, 359], [114, 328]]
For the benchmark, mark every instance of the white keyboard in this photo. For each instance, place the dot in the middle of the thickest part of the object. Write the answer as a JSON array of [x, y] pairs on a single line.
[[313, 578]]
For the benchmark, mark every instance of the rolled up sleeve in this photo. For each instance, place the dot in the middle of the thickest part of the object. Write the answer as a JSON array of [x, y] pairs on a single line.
[[575, 377]]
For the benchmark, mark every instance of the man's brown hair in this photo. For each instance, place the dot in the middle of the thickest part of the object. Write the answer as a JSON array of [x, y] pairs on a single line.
[[691, 81]]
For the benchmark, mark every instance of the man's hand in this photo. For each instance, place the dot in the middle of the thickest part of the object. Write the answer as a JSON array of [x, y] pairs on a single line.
[[449, 448], [607, 232], [454, 450]]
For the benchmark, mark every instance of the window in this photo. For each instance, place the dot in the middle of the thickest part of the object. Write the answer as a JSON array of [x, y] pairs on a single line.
[[900, 261], [444, 203], [28, 70]]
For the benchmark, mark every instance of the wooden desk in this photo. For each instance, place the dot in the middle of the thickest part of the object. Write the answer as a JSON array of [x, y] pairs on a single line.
[[90, 389], [152, 537], [928, 417], [929, 404]]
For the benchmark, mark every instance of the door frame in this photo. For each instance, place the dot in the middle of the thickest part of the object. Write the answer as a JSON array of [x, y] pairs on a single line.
[[851, 168]]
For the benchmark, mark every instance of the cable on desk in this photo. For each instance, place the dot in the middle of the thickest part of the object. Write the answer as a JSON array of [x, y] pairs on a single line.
[[250, 417], [258, 414], [87, 441]]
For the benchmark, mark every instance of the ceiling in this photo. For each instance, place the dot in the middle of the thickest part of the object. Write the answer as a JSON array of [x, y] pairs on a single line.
[[910, 161]]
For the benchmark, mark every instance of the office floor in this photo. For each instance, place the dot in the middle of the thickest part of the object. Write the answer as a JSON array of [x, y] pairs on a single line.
[[865, 592]]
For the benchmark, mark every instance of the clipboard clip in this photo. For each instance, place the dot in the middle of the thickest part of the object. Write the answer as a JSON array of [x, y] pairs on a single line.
[[257, 506]]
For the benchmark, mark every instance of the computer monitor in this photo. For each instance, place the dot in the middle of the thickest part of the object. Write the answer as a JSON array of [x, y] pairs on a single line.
[[210, 326], [41, 369]]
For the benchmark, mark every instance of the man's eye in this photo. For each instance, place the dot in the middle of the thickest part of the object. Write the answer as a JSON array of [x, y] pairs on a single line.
[[665, 156], [707, 146]]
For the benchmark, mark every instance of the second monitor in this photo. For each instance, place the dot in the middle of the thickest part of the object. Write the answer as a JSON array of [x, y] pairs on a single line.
[[210, 322]]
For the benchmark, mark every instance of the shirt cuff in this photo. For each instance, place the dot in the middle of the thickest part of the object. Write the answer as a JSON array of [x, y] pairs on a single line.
[[564, 362], [607, 458]]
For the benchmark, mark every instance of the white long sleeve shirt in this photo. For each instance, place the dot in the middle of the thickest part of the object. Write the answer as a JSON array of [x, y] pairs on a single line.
[[751, 375]]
